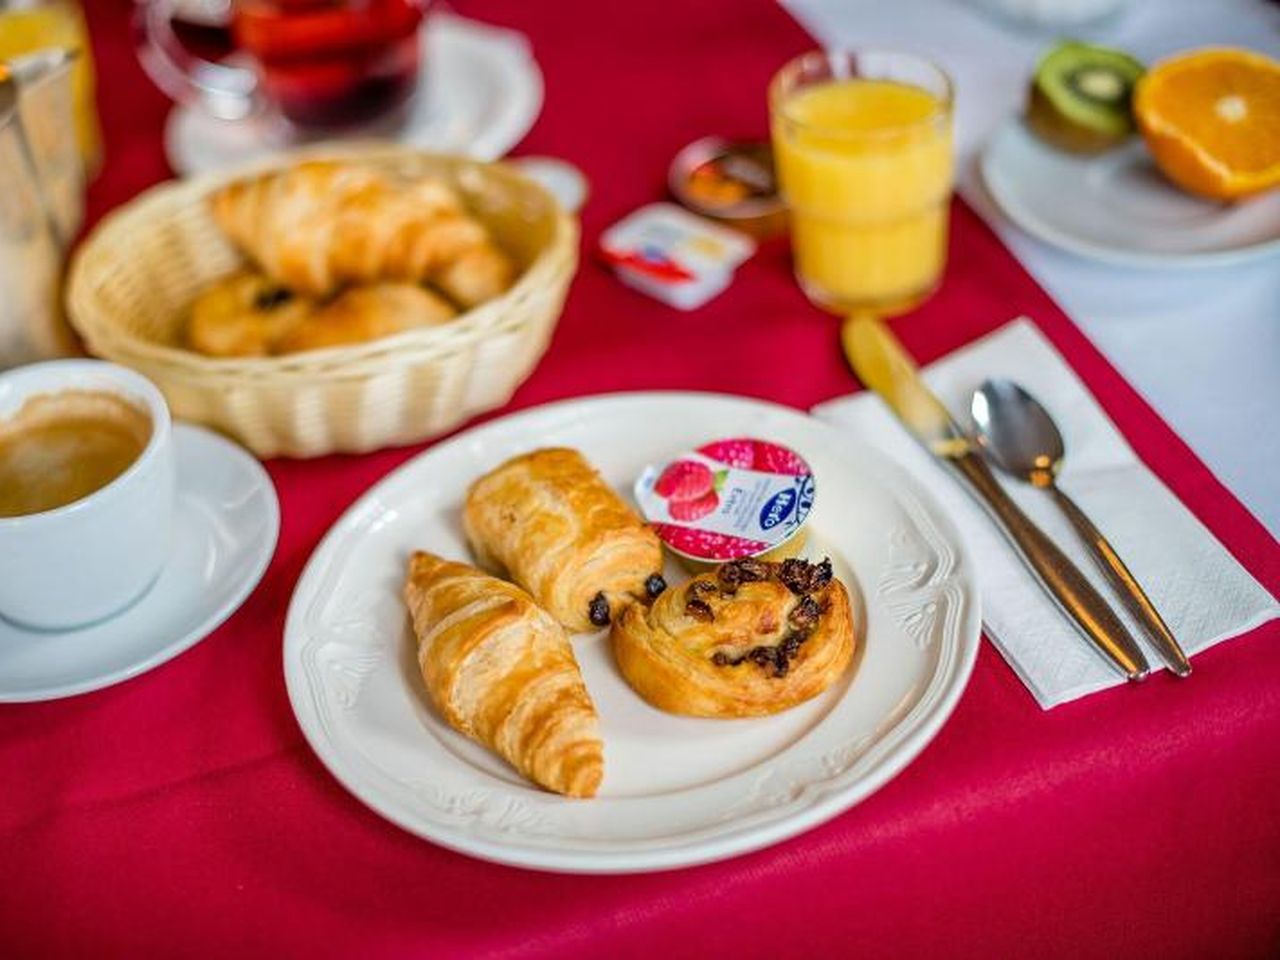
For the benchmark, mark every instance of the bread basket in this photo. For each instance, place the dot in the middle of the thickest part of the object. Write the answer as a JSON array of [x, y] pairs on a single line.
[[134, 277]]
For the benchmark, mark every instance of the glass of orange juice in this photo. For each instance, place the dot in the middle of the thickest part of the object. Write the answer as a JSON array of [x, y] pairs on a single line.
[[862, 145]]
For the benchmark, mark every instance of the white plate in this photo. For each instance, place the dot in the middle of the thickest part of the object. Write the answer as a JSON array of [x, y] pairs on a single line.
[[1117, 207], [481, 93], [224, 535], [677, 791], [203, 13]]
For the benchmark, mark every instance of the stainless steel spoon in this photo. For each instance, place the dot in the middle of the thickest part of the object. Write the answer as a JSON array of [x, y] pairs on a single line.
[[1022, 439]]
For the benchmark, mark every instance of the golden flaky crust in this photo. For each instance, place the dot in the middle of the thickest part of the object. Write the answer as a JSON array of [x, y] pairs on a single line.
[[361, 314], [321, 224], [729, 645], [247, 315], [550, 521], [501, 671], [244, 315]]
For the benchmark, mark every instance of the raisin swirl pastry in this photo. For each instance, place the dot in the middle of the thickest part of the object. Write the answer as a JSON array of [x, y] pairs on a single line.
[[549, 520], [750, 638], [501, 671]]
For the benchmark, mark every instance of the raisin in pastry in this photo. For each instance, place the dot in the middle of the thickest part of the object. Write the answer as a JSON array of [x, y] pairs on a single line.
[[750, 638]]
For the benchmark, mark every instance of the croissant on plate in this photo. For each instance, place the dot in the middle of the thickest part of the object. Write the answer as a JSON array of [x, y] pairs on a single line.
[[320, 225], [501, 671], [549, 520]]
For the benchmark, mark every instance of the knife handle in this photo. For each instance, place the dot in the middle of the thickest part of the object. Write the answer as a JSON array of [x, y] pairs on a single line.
[[1059, 576], [1125, 584]]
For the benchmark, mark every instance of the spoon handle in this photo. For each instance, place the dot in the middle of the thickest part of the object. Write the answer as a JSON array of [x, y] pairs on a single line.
[[1135, 598], [1060, 577]]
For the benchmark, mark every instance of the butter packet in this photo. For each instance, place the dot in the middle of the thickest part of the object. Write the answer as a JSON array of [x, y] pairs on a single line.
[[674, 256]]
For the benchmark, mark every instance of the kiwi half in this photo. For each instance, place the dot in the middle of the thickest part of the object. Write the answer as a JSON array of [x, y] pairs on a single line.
[[1080, 97]]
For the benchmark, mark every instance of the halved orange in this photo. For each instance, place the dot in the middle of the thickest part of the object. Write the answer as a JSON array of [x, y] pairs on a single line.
[[1211, 119]]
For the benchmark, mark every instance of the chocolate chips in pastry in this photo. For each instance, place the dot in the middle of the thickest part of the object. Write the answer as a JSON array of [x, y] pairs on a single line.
[[751, 638], [550, 521]]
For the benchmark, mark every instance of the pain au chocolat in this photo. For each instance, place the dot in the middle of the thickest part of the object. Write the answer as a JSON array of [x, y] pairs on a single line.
[[549, 521]]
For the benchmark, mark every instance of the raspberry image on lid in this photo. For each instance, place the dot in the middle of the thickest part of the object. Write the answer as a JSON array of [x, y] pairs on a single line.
[[685, 480], [694, 509], [730, 498]]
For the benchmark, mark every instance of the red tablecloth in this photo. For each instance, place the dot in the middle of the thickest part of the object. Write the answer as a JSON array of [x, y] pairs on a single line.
[[182, 812]]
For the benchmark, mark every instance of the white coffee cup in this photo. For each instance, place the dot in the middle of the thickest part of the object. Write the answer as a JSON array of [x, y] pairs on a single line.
[[91, 558]]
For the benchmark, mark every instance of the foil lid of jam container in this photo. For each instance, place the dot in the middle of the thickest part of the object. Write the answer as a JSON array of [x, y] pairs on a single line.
[[670, 254], [732, 498], [731, 181]]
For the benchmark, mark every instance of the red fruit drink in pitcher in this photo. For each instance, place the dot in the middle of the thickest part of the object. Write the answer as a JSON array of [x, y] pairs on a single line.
[[332, 63]]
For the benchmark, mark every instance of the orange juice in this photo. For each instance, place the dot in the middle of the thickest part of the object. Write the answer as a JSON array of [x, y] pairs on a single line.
[[865, 166]]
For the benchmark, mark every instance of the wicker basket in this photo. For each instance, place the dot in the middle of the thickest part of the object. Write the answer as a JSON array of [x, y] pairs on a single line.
[[135, 276]]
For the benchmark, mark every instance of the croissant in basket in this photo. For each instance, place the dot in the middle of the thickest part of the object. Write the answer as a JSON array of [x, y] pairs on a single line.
[[320, 225]]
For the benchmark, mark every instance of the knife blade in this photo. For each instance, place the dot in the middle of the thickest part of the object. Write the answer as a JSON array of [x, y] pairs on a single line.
[[883, 365]]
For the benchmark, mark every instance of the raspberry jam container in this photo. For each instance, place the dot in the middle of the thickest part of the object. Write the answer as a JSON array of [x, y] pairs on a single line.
[[733, 498]]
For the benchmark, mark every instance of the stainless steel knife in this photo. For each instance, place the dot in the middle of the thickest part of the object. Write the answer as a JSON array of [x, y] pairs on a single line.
[[884, 366]]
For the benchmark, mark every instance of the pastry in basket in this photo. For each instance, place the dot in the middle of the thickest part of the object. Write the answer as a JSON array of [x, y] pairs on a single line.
[[247, 315], [751, 638], [366, 313], [549, 520], [243, 315], [501, 671], [322, 224]]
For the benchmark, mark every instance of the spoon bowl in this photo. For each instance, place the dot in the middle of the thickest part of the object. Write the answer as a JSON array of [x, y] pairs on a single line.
[[1020, 437], [1017, 432]]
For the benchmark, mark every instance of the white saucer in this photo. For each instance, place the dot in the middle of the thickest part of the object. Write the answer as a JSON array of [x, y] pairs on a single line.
[[481, 93], [1116, 206], [225, 533]]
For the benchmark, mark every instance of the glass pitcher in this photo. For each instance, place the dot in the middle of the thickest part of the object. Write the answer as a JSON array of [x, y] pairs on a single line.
[[41, 202], [317, 64], [27, 26]]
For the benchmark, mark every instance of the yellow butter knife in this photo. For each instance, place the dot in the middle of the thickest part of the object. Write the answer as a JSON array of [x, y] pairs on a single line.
[[884, 366]]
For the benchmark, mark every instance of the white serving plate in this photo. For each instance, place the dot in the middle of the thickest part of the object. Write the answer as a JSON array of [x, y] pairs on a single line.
[[677, 791], [1116, 206]]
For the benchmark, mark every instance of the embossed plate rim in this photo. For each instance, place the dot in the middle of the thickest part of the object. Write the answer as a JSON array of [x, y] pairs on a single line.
[[494, 822]]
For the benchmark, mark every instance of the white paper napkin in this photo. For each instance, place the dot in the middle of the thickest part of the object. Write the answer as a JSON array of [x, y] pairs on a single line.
[[1204, 595]]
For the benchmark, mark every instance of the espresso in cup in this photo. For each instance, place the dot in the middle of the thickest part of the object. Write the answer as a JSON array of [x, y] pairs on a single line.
[[87, 481], [60, 447]]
